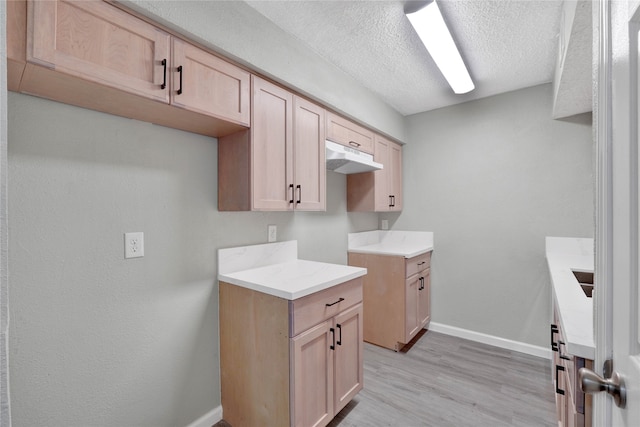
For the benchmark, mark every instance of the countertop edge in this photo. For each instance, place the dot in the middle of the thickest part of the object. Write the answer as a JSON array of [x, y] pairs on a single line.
[[365, 250], [293, 295]]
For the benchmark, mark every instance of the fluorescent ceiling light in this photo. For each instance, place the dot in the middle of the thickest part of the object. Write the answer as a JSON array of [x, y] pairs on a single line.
[[435, 35]]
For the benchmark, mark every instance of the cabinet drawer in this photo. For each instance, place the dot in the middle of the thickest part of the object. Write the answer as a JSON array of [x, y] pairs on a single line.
[[345, 132], [418, 263], [308, 311]]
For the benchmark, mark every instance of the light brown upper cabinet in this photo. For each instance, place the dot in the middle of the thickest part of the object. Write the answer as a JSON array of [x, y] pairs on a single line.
[[379, 191], [345, 132], [279, 164], [209, 85], [95, 55]]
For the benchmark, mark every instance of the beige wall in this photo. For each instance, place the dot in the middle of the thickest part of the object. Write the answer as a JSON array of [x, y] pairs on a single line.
[[491, 178], [99, 340]]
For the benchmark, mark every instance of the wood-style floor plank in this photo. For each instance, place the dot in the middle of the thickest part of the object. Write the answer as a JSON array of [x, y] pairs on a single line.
[[447, 381]]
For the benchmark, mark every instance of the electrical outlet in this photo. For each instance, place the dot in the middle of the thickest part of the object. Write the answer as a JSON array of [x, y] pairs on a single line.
[[133, 245], [384, 224], [272, 233]]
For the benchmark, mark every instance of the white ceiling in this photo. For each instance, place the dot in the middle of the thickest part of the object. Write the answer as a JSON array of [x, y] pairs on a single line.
[[506, 44]]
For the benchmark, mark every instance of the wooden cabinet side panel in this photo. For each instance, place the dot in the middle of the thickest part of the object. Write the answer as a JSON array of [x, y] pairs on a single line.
[[309, 155], [348, 370], [311, 377], [234, 172], [16, 42], [254, 357], [383, 298], [361, 192]]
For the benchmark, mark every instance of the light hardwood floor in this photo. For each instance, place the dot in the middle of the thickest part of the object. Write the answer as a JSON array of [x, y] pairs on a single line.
[[448, 381]]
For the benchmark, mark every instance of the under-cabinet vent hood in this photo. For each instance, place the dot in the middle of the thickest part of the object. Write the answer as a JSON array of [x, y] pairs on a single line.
[[348, 160]]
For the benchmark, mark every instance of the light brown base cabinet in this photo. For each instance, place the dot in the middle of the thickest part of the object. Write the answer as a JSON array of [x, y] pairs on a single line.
[[574, 408], [396, 297], [289, 363]]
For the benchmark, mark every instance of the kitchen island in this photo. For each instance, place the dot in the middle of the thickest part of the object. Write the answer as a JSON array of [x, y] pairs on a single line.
[[290, 336]]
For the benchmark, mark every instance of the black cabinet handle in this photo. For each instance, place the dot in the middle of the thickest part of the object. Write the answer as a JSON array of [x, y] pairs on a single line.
[[291, 188], [180, 88], [390, 202], [562, 356], [335, 302], [333, 340], [558, 389], [339, 326], [299, 193], [164, 79], [554, 330], [421, 287], [355, 144]]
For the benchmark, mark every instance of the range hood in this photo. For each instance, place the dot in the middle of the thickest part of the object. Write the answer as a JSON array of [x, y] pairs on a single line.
[[347, 160]]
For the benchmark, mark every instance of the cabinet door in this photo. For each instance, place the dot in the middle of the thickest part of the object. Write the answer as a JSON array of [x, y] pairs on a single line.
[[309, 155], [424, 299], [394, 175], [348, 370], [98, 42], [209, 85], [412, 326], [271, 147], [312, 376], [381, 177], [347, 133]]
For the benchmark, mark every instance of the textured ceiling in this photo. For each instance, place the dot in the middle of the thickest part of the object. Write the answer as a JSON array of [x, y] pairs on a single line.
[[506, 44]]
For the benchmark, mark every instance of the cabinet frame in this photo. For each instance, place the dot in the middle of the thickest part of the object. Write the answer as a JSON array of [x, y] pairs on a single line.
[[381, 190], [265, 168], [395, 310], [76, 82], [262, 390]]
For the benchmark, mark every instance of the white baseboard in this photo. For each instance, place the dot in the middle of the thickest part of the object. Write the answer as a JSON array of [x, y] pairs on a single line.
[[208, 419], [521, 347]]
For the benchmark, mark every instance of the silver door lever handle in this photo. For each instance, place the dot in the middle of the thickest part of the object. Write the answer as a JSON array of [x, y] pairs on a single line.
[[590, 382]]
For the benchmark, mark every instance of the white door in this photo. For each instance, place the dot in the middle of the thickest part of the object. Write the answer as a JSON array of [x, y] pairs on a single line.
[[617, 323]]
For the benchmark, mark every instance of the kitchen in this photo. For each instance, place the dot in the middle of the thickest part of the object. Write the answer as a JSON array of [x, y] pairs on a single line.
[[136, 340]]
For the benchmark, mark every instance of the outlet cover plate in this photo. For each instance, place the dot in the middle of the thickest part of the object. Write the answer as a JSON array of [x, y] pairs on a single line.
[[272, 234], [133, 245]]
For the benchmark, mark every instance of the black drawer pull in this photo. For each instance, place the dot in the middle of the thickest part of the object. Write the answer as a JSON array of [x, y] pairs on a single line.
[[334, 303], [558, 389], [339, 326], [554, 330], [180, 71], [164, 79], [333, 339], [291, 188], [299, 194], [355, 144]]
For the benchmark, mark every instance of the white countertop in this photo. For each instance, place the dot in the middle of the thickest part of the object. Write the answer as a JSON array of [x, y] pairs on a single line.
[[575, 309], [274, 269], [407, 244]]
